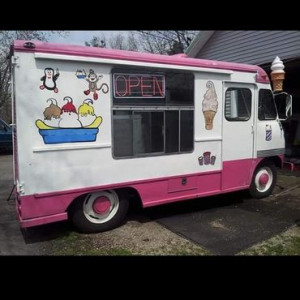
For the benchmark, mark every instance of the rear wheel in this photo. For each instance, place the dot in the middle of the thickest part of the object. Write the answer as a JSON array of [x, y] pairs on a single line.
[[99, 211], [264, 180]]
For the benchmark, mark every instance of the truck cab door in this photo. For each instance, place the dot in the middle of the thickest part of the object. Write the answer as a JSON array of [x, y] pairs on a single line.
[[238, 135]]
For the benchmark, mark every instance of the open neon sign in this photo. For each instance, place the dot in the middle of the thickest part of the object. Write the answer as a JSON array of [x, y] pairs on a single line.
[[139, 86]]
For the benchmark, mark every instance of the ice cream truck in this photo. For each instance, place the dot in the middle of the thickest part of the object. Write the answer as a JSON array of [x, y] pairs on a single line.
[[93, 128]]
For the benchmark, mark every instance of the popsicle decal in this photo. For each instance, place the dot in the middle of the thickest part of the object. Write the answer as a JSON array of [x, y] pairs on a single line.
[[65, 125], [49, 80], [207, 159], [209, 105]]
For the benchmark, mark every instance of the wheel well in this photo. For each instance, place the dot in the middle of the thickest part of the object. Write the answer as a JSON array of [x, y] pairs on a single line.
[[275, 159], [132, 194], [129, 192]]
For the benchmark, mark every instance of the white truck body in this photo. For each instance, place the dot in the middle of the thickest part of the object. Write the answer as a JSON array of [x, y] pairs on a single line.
[[60, 156]]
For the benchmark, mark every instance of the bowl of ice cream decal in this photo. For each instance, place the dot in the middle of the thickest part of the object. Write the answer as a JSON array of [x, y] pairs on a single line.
[[65, 125]]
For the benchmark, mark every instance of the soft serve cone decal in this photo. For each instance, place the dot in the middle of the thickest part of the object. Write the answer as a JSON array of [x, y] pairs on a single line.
[[210, 105]]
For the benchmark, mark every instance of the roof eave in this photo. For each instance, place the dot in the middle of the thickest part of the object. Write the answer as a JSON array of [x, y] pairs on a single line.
[[198, 42]]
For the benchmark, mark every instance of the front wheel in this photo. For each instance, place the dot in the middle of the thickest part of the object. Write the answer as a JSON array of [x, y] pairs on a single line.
[[264, 180], [99, 211]]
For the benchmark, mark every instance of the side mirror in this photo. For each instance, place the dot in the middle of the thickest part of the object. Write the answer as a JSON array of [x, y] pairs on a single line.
[[283, 103]]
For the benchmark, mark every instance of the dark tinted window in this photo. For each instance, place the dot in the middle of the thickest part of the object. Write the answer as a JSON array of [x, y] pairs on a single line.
[[266, 105], [166, 88], [139, 133]]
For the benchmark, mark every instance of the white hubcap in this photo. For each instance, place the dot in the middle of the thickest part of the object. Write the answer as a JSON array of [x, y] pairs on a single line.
[[100, 207], [263, 179]]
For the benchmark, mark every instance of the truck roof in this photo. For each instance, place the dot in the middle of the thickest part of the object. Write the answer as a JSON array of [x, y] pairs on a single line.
[[177, 59]]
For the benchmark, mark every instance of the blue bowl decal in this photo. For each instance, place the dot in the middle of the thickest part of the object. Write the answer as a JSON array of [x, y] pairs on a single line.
[[69, 135], [81, 76]]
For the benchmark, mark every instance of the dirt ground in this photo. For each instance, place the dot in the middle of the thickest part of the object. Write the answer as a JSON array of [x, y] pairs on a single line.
[[140, 235]]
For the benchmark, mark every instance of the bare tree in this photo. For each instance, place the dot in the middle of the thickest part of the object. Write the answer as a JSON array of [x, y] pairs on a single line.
[[6, 39], [153, 41], [121, 41], [118, 41], [97, 41], [166, 41]]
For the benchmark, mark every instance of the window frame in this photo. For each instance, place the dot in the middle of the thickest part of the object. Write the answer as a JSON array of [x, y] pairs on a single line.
[[259, 106], [156, 109], [153, 108], [239, 119]]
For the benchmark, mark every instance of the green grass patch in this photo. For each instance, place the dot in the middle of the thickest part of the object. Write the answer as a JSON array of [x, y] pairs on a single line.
[[282, 244]]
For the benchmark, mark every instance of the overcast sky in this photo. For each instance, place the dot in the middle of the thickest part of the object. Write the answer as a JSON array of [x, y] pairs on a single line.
[[77, 37]]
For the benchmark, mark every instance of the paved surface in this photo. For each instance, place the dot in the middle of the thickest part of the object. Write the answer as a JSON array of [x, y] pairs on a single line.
[[228, 224], [11, 237]]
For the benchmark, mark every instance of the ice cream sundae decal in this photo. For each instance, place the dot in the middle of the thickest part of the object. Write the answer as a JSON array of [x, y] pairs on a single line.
[[92, 78], [65, 125], [209, 105], [207, 159], [80, 74], [49, 80]]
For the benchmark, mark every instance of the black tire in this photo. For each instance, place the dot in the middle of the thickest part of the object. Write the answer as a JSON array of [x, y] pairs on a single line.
[[258, 190], [87, 220]]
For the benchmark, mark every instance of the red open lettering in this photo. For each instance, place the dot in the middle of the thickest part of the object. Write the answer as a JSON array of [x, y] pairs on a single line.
[[156, 84], [144, 86], [131, 80], [120, 81], [139, 85]]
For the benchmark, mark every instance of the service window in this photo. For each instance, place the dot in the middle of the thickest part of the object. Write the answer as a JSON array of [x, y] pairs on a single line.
[[266, 105], [238, 104], [153, 112]]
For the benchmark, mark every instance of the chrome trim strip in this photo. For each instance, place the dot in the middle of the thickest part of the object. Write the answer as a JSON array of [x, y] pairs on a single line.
[[272, 152]]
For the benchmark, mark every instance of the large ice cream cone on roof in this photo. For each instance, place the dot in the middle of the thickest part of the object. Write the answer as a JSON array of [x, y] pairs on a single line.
[[277, 74]]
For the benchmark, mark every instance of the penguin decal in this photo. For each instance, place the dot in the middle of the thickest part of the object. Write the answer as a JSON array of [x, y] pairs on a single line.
[[49, 80]]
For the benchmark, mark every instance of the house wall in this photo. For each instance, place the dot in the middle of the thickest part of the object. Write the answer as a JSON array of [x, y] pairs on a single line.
[[252, 47]]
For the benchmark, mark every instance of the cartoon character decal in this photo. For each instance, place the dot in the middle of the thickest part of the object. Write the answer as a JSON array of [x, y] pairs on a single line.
[[86, 112], [52, 113], [69, 117], [207, 159], [65, 125], [49, 80], [92, 78], [209, 105]]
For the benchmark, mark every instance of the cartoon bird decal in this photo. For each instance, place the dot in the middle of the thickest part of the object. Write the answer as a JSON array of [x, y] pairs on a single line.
[[49, 80], [69, 116], [86, 112], [52, 113]]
